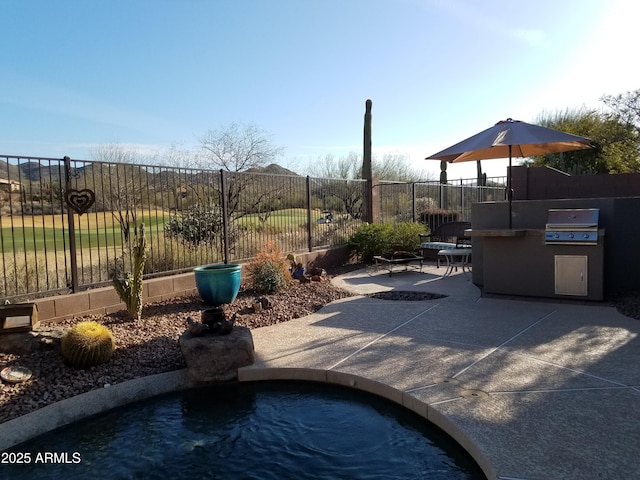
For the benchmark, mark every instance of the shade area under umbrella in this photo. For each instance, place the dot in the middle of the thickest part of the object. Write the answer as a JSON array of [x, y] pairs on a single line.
[[511, 138]]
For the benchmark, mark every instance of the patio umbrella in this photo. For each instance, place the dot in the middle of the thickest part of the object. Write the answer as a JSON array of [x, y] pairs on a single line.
[[511, 138]]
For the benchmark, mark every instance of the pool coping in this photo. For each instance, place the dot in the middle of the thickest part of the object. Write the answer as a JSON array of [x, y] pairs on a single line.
[[93, 402], [69, 410]]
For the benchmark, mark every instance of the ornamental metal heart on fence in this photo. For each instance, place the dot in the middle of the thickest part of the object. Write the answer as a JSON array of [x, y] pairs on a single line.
[[80, 200]]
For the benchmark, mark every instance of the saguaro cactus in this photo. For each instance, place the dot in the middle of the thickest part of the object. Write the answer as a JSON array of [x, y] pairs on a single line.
[[367, 173]]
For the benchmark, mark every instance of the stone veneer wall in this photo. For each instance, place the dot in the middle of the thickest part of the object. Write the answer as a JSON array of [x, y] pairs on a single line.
[[105, 300]]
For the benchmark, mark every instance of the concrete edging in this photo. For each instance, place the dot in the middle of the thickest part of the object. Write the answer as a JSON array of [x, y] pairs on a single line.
[[64, 412]]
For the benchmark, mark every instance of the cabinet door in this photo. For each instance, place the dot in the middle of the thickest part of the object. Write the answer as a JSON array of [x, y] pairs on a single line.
[[571, 275]]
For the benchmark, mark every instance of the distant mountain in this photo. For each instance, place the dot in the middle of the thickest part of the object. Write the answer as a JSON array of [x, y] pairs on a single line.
[[54, 172], [37, 172], [8, 171], [32, 171], [273, 169]]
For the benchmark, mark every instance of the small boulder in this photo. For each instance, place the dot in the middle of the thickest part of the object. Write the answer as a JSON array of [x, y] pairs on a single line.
[[42, 339], [264, 302], [317, 272], [216, 358]]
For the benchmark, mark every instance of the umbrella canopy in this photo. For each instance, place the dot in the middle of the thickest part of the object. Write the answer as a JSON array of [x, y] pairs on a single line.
[[525, 140], [511, 138]]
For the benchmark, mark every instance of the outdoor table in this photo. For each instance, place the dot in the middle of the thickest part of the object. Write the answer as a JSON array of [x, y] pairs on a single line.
[[455, 257], [401, 258]]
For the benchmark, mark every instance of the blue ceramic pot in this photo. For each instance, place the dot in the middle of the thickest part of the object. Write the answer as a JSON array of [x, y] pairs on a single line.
[[218, 283]]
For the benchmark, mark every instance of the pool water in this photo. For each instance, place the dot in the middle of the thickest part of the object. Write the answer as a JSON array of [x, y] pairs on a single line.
[[262, 430]]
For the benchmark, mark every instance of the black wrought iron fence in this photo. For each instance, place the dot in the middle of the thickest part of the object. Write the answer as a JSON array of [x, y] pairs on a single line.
[[413, 201], [67, 225]]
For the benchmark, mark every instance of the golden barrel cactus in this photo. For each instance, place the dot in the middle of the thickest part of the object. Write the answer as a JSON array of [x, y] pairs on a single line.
[[87, 344]]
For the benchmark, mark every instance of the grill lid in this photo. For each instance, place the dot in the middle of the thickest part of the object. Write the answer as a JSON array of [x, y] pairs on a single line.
[[573, 218], [572, 226]]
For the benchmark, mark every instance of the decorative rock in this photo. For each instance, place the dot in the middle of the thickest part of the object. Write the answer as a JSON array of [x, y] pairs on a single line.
[[265, 302], [196, 329], [224, 326], [216, 358], [316, 271], [30, 342]]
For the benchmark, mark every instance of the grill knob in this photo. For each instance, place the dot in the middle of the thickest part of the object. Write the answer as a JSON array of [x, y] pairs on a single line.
[[586, 235], [556, 235], [571, 235]]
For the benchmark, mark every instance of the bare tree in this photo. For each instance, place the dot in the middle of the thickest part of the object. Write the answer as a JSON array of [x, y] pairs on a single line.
[[395, 167], [348, 167], [237, 148], [350, 194], [121, 184], [392, 167]]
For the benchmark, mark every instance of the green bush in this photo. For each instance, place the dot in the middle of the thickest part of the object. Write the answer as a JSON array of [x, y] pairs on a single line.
[[404, 236], [200, 224], [385, 238]]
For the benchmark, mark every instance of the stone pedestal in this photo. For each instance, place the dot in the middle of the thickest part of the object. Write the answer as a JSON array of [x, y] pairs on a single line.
[[216, 358]]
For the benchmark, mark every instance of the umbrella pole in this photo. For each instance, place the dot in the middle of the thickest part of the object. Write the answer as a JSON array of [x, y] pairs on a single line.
[[510, 190]]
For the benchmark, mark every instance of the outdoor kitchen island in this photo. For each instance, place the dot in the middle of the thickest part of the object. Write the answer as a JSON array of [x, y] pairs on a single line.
[[519, 262], [582, 249]]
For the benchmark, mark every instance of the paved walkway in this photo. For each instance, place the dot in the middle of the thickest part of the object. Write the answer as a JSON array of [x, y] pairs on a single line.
[[533, 389]]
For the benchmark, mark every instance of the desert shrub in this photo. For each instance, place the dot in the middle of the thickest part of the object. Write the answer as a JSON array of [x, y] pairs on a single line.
[[404, 236], [371, 239], [269, 270], [201, 223], [384, 238]]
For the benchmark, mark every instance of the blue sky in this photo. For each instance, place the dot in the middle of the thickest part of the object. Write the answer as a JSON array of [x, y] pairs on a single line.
[[151, 73]]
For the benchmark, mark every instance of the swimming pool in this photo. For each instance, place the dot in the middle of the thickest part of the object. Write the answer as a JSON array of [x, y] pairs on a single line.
[[261, 430]]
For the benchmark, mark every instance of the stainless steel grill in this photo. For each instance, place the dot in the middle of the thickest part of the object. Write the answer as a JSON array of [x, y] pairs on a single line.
[[572, 226]]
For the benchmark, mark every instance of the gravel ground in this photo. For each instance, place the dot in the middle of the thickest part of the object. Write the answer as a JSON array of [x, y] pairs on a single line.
[[149, 346]]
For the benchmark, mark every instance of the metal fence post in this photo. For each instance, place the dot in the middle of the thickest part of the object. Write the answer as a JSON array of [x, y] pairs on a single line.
[[225, 218], [462, 197], [72, 228], [413, 202], [309, 229]]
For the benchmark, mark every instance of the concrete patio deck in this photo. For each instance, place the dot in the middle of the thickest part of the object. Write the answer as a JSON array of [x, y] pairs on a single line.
[[532, 389]]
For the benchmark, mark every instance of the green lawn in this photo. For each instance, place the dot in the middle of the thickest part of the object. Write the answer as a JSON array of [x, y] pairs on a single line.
[[287, 216], [35, 237], [38, 234]]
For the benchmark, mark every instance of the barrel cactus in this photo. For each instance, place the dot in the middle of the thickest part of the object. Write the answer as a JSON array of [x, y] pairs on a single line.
[[87, 344]]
